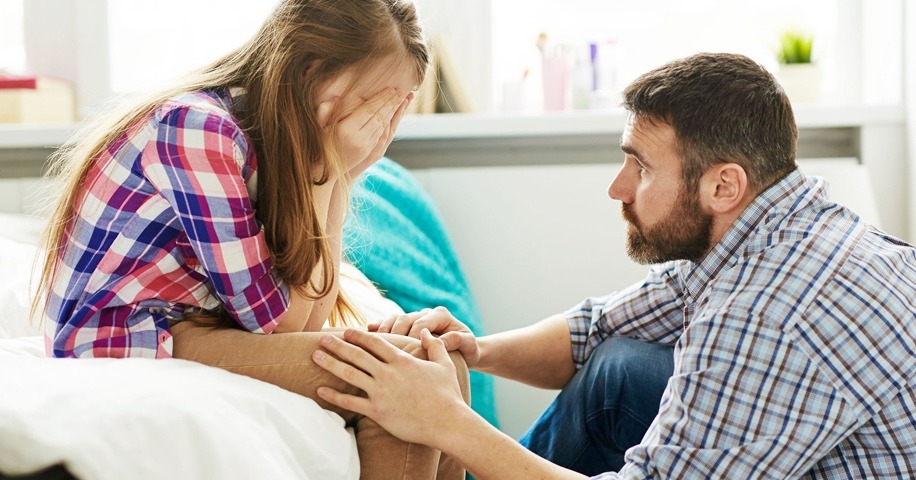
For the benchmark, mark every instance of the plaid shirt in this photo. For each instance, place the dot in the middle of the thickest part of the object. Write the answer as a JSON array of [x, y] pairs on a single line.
[[795, 347], [164, 222]]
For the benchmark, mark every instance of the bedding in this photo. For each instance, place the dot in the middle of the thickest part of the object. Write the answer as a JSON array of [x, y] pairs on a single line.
[[155, 419]]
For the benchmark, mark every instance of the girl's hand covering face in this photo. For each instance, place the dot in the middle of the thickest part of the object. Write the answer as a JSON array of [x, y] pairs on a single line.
[[364, 134]]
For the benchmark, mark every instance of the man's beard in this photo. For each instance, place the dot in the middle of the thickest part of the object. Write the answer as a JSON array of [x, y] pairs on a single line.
[[683, 234]]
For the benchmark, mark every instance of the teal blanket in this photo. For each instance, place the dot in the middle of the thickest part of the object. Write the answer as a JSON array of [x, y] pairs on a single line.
[[395, 236]]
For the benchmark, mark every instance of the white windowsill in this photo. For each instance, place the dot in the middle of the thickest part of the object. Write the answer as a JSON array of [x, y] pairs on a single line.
[[497, 125]]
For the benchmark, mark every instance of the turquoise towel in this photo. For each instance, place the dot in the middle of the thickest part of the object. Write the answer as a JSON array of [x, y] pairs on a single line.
[[395, 236]]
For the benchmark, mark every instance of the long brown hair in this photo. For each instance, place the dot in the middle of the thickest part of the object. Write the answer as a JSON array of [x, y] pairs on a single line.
[[325, 37]]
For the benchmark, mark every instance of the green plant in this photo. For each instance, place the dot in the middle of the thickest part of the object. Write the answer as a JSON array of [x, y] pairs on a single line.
[[794, 47]]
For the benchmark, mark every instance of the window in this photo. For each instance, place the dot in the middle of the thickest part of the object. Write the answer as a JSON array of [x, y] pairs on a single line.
[[857, 44], [12, 43], [175, 36], [646, 34]]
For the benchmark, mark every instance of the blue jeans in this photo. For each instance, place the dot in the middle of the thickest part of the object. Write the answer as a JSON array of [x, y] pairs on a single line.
[[605, 408]]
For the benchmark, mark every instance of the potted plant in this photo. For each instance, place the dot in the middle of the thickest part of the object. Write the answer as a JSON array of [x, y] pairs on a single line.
[[794, 47], [798, 74]]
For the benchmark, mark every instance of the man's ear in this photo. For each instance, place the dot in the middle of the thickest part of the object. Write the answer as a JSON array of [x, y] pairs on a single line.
[[724, 187]]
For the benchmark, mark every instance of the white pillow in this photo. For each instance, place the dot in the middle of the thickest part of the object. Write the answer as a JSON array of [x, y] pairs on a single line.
[[16, 261], [21, 228], [367, 299]]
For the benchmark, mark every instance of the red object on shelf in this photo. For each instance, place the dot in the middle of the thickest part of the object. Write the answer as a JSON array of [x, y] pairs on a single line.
[[18, 82]]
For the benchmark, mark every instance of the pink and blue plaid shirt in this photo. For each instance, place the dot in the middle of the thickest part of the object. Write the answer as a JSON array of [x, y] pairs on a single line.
[[165, 222]]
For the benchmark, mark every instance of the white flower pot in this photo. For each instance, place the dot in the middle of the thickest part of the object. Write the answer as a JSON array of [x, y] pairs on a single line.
[[801, 81]]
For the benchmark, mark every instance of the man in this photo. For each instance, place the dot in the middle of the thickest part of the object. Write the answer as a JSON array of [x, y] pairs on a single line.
[[792, 321]]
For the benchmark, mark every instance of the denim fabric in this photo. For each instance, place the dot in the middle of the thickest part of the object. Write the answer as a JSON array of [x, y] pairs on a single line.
[[605, 408]]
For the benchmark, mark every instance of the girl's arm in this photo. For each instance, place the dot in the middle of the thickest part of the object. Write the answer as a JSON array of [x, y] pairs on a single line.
[[337, 212], [305, 313]]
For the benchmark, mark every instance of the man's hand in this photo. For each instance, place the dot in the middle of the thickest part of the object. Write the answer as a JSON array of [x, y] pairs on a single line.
[[414, 399], [439, 321]]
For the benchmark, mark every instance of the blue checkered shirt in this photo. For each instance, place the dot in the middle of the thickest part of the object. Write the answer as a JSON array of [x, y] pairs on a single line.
[[795, 347]]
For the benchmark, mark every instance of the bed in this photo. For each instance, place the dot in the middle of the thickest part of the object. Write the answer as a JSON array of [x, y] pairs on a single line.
[[154, 419]]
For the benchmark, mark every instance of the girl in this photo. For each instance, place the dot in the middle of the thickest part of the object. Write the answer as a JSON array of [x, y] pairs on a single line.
[[212, 211]]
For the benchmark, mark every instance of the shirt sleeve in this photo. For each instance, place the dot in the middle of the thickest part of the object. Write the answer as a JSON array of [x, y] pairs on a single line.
[[651, 311], [744, 402], [197, 166]]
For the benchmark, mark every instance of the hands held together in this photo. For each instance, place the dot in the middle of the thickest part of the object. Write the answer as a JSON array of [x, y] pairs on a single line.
[[410, 397], [455, 335]]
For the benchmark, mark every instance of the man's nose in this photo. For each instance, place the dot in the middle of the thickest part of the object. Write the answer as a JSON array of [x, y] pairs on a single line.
[[619, 189]]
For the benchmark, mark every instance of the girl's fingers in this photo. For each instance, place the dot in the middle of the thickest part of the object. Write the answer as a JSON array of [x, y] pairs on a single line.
[[429, 321], [438, 321], [403, 323], [399, 113], [419, 326], [385, 325], [381, 121], [435, 348], [373, 112]]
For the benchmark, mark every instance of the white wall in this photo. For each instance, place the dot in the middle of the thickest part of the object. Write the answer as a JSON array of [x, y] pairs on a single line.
[[20, 195], [909, 85], [533, 242], [12, 51], [69, 41]]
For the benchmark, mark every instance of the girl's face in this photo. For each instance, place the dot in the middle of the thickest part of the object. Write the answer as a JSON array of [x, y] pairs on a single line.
[[340, 96]]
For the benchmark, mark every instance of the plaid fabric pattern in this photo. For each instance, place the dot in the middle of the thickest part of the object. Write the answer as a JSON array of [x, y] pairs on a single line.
[[165, 222], [795, 347]]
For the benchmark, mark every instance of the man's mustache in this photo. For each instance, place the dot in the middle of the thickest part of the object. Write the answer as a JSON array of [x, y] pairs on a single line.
[[629, 216]]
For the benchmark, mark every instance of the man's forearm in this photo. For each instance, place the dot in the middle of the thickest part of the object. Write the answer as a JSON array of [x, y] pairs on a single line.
[[488, 453], [539, 355]]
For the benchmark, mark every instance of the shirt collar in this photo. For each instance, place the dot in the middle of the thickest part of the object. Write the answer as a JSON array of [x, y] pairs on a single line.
[[773, 204], [234, 97]]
